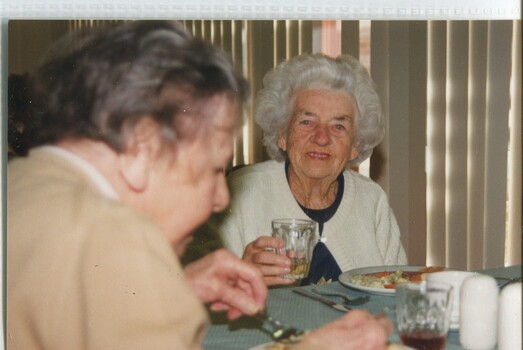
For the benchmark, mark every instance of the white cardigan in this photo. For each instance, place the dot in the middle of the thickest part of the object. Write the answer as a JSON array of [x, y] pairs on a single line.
[[363, 232]]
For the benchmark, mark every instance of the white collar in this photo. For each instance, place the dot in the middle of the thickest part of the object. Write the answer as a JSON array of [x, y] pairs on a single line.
[[94, 175]]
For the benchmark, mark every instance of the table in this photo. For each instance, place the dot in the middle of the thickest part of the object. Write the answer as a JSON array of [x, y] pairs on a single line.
[[305, 313]]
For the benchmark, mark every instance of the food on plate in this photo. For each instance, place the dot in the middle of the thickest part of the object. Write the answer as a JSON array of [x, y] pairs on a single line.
[[389, 279]]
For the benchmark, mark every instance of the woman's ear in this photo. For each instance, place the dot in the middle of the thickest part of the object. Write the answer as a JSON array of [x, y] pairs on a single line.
[[355, 150], [282, 143], [133, 168], [142, 146]]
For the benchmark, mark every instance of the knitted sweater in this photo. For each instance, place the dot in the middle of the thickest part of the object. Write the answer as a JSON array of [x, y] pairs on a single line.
[[363, 232]]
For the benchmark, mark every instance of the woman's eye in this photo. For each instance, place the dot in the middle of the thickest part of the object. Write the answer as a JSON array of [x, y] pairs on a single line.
[[339, 127], [305, 122]]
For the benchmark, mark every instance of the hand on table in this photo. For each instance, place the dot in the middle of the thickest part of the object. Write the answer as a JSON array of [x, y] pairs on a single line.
[[356, 330], [260, 252], [228, 283]]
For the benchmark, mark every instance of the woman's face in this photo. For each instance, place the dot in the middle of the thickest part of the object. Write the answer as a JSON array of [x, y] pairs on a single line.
[[320, 139], [189, 184]]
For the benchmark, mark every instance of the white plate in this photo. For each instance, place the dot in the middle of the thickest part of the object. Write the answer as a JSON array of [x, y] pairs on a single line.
[[345, 277]]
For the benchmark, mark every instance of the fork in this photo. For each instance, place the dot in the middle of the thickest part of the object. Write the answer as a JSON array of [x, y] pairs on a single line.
[[279, 331], [346, 300]]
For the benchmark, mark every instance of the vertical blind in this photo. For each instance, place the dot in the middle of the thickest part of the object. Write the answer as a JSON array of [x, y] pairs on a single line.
[[469, 203], [451, 158], [451, 91]]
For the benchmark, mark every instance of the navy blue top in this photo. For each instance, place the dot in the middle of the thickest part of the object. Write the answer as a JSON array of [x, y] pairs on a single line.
[[322, 263]]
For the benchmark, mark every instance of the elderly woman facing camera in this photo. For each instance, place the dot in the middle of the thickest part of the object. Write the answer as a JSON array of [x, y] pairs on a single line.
[[320, 116]]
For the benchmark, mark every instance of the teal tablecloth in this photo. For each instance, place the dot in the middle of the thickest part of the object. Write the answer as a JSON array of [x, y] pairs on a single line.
[[305, 313]]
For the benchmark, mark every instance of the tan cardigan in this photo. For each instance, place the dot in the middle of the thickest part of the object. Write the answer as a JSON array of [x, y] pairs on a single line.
[[85, 272]]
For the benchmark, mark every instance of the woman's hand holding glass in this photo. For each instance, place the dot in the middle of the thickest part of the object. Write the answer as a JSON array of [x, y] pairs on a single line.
[[262, 253]]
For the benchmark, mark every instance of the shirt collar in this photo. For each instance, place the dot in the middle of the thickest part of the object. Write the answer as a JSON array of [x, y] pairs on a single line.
[[90, 171]]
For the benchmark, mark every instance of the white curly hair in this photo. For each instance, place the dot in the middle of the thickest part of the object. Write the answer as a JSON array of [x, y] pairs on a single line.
[[275, 102]]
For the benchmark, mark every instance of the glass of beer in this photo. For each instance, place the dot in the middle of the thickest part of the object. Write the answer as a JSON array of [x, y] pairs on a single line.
[[297, 235], [423, 314]]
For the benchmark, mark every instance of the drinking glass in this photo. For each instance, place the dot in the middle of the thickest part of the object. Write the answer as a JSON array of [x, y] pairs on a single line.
[[297, 235], [423, 314]]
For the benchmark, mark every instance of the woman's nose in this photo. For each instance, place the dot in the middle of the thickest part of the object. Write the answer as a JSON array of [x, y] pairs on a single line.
[[321, 135]]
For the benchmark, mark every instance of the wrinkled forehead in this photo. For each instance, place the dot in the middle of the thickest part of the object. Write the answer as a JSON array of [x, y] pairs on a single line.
[[309, 96]]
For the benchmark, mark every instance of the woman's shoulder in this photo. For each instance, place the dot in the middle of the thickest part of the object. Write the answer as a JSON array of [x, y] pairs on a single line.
[[361, 181], [256, 170]]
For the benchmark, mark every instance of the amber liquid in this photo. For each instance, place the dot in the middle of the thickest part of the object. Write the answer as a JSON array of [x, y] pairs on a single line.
[[424, 341], [299, 268]]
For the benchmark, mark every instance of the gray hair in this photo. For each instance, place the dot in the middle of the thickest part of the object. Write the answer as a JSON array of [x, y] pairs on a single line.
[[275, 102], [94, 84]]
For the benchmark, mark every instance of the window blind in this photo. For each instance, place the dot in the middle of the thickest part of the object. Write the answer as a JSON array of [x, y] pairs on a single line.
[[451, 92], [451, 158], [468, 69]]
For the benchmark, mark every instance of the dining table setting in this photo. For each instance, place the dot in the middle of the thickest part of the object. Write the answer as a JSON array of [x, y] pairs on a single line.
[[299, 308]]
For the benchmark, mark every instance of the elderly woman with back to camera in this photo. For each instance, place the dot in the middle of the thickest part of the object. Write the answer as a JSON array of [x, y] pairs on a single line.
[[320, 116], [124, 167]]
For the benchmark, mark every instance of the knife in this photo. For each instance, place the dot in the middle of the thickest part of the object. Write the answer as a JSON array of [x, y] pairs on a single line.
[[337, 306]]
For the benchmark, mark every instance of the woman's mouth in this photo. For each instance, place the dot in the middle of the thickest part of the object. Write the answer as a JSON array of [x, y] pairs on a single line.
[[318, 155]]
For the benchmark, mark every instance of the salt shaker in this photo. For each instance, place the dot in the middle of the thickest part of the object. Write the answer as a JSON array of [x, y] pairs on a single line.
[[478, 313], [509, 329]]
